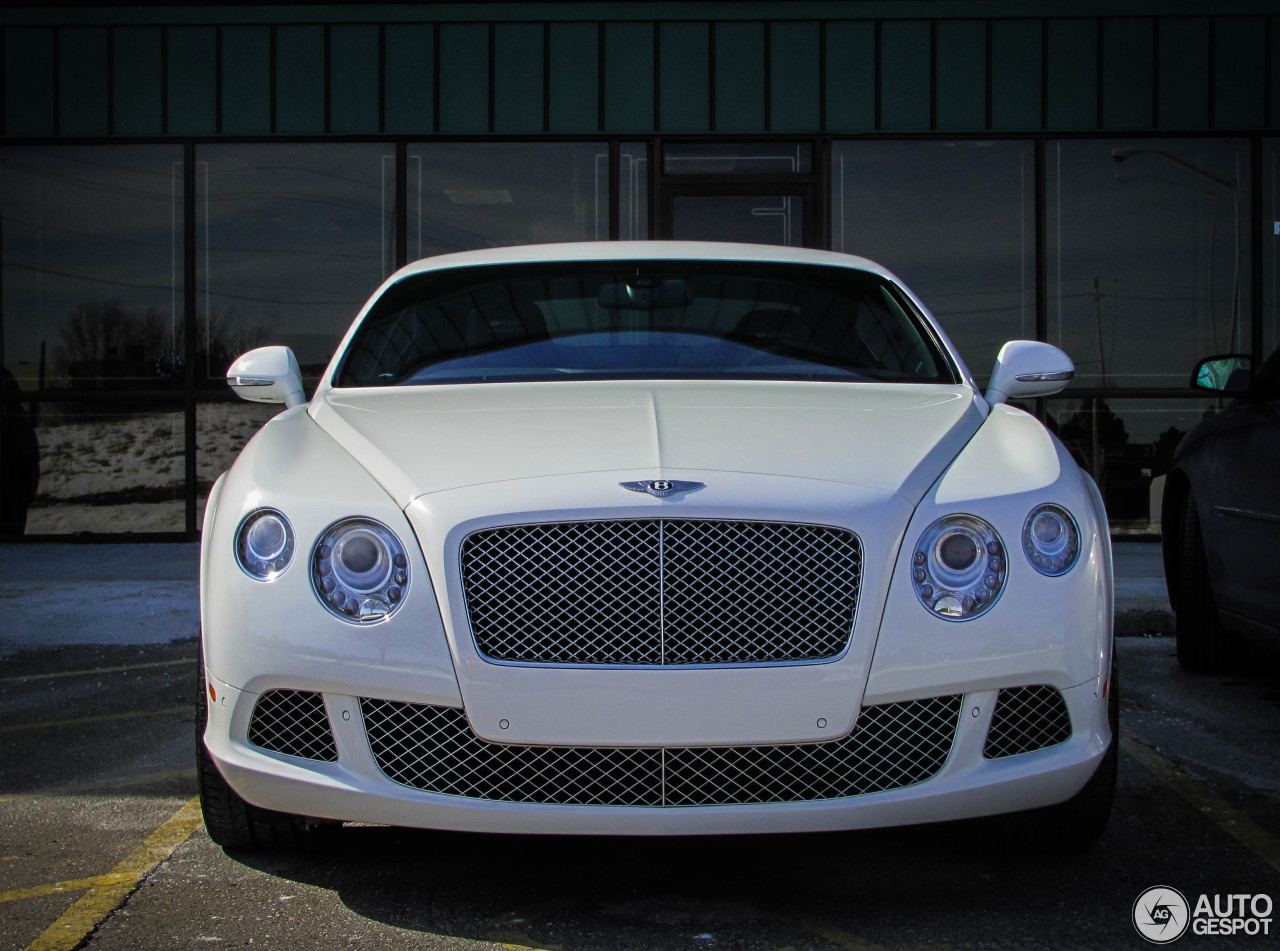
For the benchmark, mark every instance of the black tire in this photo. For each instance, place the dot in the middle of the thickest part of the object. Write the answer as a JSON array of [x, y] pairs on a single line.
[[230, 821], [1203, 646], [1075, 825]]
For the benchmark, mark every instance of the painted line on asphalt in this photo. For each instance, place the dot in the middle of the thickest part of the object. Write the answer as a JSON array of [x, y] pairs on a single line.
[[82, 919], [1227, 817], [124, 668], [842, 939], [72, 789], [57, 888], [100, 718]]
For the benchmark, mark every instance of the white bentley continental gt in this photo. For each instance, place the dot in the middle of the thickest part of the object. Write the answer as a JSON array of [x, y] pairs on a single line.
[[654, 539]]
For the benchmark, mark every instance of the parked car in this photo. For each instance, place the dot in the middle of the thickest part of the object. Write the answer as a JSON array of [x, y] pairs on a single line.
[[1221, 516], [654, 538]]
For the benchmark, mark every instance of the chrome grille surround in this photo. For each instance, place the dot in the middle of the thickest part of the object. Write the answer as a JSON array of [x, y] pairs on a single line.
[[433, 749], [1026, 719], [661, 592], [293, 722]]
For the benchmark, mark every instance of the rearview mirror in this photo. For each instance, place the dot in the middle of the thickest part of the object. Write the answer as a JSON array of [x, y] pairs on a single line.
[[1026, 369], [1229, 373], [267, 375]]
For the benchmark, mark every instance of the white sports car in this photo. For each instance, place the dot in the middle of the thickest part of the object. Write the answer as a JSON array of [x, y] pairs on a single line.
[[653, 538]]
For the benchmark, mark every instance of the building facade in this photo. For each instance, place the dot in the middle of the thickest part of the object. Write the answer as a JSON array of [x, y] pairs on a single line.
[[179, 184]]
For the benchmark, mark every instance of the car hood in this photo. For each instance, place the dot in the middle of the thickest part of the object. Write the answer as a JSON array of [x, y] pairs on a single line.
[[420, 440]]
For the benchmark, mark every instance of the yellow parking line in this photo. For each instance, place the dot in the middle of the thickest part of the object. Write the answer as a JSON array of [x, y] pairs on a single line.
[[78, 922], [842, 939], [1224, 815], [125, 668], [101, 718], [72, 789], [74, 885]]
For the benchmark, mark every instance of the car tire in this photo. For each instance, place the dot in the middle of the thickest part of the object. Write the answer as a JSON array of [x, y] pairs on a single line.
[[230, 821], [1203, 646], [1075, 825]]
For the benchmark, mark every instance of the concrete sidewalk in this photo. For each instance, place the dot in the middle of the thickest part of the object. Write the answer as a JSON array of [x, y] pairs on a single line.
[[56, 594]]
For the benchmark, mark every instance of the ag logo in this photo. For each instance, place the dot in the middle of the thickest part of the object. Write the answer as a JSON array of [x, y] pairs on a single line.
[[1161, 914]]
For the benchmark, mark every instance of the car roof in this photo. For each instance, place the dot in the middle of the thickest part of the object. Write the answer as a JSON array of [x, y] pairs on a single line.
[[639, 250]]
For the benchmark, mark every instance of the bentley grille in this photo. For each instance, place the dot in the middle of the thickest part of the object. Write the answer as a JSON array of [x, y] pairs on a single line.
[[433, 749], [293, 722], [661, 592], [1026, 719]]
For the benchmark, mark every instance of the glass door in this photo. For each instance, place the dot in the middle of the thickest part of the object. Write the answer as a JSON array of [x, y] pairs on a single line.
[[753, 192]]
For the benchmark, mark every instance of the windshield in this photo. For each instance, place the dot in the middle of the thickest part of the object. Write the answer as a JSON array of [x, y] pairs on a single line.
[[642, 320]]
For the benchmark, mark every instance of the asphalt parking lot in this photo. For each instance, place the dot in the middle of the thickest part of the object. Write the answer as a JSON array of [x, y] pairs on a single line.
[[101, 846]]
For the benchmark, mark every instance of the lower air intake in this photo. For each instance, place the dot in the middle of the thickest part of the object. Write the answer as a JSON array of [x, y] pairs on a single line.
[[293, 722], [433, 749], [1026, 719]]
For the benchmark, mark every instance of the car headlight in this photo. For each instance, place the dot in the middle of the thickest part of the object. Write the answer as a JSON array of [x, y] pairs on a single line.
[[264, 544], [359, 570], [1051, 540], [959, 567]]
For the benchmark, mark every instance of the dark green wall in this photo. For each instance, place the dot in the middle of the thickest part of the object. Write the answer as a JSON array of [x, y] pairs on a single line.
[[309, 72]]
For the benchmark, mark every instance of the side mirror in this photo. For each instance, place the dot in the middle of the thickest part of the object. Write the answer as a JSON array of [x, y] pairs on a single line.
[[1229, 373], [267, 375], [1026, 369]]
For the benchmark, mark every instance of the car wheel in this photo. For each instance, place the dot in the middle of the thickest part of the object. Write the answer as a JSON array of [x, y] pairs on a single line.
[[1078, 823], [230, 821], [1203, 646]]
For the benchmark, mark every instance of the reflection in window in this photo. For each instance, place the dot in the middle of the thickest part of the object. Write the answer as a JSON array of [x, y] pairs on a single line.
[[92, 267], [633, 177], [291, 241], [956, 221], [738, 158], [1127, 446], [464, 196], [1148, 259], [1270, 236], [222, 429], [104, 469]]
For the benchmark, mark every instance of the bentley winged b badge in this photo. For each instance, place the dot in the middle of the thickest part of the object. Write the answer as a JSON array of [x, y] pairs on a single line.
[[661, 488]]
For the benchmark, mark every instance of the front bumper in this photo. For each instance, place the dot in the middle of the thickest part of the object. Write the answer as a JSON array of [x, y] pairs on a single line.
[[964, 783]]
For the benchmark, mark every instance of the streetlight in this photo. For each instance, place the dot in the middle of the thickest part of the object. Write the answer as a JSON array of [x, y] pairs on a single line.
[[1120, 155]]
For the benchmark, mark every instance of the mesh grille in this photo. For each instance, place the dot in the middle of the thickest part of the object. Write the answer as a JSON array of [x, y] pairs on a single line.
[[433, 749], [1027, 718], [661, 592], [293, 722]]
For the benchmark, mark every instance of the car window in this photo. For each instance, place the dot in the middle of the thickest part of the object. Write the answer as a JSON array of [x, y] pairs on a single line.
[[643, 320]]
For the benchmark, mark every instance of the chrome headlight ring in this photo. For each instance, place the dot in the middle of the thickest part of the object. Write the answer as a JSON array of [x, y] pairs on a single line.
[[264, 544], [1051, 540], [359, 570], [959, 567]]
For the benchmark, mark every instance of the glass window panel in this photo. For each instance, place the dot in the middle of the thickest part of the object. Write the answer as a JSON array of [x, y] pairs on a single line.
[[738, 158], [755, 219], [92, 266], [633, 177], [1148, 259], [107, 469], [469, 195], [1270, 173], [291, 241], [956, 221], [1127, 446]]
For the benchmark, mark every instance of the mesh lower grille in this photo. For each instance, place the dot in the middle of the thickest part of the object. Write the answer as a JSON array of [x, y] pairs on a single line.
[[433, 749], [293, 722], [661, 592], [1026, 719]]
